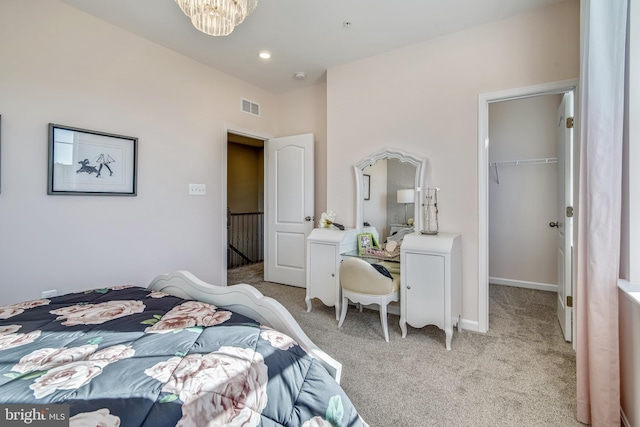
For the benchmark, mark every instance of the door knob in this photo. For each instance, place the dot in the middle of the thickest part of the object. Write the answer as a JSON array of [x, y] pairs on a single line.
[[307, 218], [553, 224]]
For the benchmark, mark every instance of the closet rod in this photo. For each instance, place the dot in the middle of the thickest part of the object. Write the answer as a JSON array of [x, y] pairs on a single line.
[[525, 162]]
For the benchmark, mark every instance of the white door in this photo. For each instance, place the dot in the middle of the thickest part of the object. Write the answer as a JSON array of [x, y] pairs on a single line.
[[565, 207], [289, 188]]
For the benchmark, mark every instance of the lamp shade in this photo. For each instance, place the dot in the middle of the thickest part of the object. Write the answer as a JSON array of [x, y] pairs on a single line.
[[406, 195]]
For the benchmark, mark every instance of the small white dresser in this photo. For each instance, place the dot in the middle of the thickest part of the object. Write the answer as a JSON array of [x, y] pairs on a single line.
[[324, 246], [431, 288]]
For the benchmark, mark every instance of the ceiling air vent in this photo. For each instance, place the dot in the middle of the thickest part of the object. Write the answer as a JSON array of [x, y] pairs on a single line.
[[250, 107]]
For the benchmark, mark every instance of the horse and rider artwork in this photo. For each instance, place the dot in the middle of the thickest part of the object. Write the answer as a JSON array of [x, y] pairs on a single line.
[[103, 160]]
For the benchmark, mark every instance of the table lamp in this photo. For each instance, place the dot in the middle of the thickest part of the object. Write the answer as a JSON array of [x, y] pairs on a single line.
[[405, 196]]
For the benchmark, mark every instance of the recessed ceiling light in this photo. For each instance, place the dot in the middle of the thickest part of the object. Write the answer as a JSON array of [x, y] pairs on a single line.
[[265, 54], [300, 75]]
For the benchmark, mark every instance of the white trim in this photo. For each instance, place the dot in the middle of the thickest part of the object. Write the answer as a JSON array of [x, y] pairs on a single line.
[[523, 284], [484, 99], [470, 325], [630, 289]]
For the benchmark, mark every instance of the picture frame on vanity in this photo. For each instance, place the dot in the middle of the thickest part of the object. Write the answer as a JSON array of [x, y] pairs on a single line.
[[365, 241], [366, 184], [87, 162]]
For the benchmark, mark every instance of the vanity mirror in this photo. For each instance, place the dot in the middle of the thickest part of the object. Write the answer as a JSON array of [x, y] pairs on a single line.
[[390, 172]]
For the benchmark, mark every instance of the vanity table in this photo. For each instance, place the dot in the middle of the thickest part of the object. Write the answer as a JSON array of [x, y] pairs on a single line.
[[431, 284], [430, 266]]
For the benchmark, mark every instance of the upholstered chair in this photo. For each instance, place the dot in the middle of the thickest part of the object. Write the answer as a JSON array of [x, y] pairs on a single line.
[[362, 283]]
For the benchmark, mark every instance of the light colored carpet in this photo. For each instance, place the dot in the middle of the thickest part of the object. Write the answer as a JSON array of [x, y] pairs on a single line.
[[520, 373]]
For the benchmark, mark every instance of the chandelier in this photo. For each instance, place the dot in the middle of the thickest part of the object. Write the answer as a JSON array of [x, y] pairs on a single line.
[[217, 17]]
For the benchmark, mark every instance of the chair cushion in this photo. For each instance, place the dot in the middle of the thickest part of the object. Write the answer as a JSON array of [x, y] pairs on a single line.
[[357, 275]]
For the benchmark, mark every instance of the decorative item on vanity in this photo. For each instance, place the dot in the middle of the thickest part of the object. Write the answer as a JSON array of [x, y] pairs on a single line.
[[217, 17], [391, 250], [405, 196], [327, 219], [431, 212], [366, 241], [391, 246]]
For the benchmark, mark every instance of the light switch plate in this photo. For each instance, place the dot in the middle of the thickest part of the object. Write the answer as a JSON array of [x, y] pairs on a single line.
[[197, 189]]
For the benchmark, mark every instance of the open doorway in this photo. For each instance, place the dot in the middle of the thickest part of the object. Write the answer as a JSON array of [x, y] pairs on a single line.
[[282, 189], [485, 175], [245, 200], [523, 192]]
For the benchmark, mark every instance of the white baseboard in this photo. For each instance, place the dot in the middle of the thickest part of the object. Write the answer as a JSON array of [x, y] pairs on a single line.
[[471, 325], [523, 284]]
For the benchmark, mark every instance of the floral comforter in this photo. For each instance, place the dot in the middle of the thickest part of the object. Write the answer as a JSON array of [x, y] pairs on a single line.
[[128, 356]]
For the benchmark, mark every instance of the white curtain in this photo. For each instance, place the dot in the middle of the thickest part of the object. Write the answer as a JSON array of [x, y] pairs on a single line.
[[602, 69]]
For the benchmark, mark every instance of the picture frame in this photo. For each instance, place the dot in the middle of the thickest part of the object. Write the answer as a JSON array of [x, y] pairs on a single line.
[[365, 241], [87, 162], [366, 186]]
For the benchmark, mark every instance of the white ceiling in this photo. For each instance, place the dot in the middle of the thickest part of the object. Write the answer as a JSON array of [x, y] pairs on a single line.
[[303, 35]]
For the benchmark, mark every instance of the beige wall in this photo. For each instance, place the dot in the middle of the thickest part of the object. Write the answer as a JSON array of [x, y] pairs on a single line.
[[245, 178], [63, 66], [522, 246], [305, 111], [424, 99]]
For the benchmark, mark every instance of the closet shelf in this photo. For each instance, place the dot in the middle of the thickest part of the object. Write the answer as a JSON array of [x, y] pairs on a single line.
[[524, 162], [521, 162]]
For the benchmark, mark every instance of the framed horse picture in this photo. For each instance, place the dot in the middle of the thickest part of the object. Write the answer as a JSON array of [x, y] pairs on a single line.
[[86, 162]]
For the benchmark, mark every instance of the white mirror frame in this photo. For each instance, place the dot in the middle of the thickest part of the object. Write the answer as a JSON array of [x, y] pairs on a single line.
[[421, 168]]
